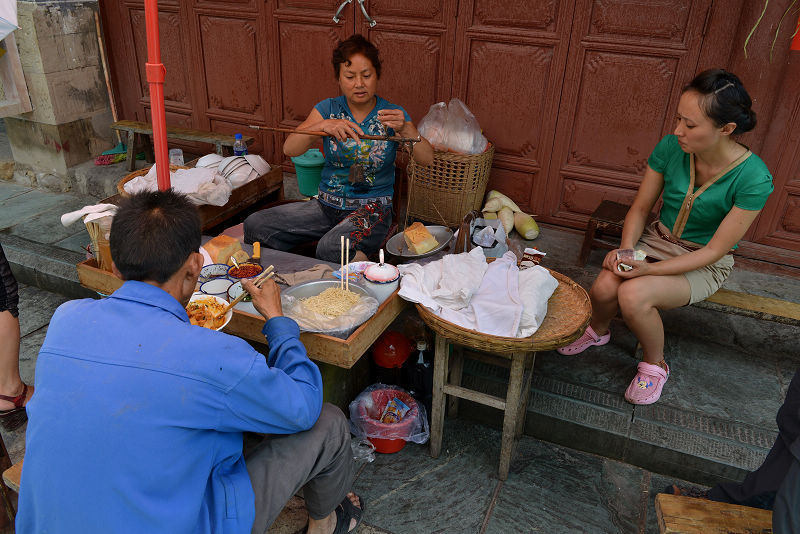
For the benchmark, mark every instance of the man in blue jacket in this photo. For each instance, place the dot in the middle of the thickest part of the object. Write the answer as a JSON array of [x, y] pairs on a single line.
[[137, 421]]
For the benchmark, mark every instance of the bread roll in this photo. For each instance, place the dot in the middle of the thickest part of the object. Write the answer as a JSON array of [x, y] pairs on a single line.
[[419, 239]]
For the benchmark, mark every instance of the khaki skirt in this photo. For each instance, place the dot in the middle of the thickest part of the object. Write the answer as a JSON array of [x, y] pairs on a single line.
[[704, 281]]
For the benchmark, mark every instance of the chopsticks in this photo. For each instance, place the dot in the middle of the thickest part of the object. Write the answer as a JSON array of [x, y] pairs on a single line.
[[345, 270], [265, 275]]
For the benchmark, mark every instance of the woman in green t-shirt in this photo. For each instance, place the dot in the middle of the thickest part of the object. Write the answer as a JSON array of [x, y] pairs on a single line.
[[713, 188]]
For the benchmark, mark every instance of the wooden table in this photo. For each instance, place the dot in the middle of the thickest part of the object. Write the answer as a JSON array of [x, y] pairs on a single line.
[[568, 314], [340, 352]]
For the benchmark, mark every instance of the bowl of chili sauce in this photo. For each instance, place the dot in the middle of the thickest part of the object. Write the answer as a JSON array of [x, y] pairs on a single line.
[[244, 271]]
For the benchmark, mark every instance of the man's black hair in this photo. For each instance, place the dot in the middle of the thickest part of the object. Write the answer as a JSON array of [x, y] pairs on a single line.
[[152, 234]]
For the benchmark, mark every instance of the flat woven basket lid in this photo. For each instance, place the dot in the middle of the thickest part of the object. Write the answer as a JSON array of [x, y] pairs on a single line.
[[568, 312]]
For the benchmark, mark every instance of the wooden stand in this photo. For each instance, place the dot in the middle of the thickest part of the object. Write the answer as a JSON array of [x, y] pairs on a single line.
[[688, 515], [568, 314], [339, 352]]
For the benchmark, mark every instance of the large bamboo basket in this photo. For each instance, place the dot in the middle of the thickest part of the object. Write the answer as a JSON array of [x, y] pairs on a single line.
[[568, 312], [141, 172], [449, 188]]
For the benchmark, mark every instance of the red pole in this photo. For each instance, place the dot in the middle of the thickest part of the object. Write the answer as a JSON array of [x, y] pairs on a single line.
[[155, 77]]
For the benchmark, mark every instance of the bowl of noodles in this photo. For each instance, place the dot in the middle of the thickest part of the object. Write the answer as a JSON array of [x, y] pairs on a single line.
[[203, 310], [325, 307]]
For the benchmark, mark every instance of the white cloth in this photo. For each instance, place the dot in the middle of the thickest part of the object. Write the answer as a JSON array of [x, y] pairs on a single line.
[[202, 185], [428, 285], [536, 286], [496, 299], [96, 211]]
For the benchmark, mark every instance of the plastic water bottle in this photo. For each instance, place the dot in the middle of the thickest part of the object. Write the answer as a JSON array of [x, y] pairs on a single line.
[[239, 146]]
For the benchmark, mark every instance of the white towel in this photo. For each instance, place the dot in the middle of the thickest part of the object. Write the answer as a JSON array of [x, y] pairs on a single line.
[[536, 286], [427, 285], [95, 211]]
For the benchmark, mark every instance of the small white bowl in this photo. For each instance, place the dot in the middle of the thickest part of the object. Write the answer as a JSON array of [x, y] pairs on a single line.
[[246, 304], [228, 315], [216, 286], [209, 160], [258, 163], [213, 270]]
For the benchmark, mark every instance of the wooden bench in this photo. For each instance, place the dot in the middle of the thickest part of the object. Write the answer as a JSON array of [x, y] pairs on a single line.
[[688, 515], [608, 219], [134, 128]]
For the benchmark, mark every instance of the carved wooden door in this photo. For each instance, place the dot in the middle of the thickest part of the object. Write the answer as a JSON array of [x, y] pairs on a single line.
[[627, 63]]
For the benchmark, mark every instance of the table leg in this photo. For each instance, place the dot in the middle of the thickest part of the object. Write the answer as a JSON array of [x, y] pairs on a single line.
[[218, 147], [456, 370], [512, 411], [437, 406], [131, 150], [523, 403], [588, 238]]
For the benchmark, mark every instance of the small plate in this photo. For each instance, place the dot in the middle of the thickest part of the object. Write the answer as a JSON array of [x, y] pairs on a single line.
[[397, 244], [213, 270]]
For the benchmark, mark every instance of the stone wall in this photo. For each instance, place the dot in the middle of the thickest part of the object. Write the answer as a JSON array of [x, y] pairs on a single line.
[[71, 114]]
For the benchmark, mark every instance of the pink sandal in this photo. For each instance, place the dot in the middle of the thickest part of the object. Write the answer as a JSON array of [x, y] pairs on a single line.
[[588, 339], [647, 384]]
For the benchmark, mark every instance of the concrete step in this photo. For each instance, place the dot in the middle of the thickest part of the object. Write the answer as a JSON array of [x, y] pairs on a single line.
[[715, 420]]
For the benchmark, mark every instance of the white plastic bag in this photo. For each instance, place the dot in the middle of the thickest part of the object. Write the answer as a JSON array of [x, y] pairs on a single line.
[[453, 127]]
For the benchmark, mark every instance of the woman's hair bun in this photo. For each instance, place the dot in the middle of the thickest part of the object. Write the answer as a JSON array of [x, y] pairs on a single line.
[[726, 100]]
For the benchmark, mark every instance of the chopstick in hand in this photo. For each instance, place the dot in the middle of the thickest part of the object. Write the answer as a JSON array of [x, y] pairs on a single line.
[[265, 275]]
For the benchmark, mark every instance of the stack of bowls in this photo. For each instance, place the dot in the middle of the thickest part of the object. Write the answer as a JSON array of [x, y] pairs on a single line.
[[239, 170]]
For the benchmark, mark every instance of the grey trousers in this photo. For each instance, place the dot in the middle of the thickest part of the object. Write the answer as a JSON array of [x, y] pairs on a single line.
[[288, 225], [319, 461]]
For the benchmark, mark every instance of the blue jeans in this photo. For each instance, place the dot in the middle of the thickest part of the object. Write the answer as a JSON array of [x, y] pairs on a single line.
[[289, 225]]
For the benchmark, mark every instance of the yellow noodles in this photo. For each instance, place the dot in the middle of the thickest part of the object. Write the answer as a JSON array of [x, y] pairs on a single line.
[[332, 302]]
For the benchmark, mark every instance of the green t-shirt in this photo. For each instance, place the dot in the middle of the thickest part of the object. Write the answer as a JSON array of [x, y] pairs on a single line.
[[746, 186]]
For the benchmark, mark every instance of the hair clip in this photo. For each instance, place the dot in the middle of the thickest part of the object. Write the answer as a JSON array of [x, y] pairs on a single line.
[[729, 84]]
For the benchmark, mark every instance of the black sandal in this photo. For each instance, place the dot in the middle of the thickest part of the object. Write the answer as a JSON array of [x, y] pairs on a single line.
[[346, 511], [14, 418]]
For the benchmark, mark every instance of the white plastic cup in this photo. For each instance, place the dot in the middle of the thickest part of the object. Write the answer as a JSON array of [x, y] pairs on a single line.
[[175, 156]]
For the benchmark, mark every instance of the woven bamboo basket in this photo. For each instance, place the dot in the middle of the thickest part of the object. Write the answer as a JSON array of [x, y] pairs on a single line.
[[454, 184], [141, 172], [568, 312]]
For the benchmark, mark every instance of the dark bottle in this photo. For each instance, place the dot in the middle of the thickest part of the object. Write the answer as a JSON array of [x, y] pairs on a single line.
[[420, 376]]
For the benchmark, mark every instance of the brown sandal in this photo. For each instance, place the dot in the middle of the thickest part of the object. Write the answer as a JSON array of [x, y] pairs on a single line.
[[14, 418]]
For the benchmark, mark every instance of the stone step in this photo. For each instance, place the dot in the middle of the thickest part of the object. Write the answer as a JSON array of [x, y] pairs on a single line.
[[702, 436]]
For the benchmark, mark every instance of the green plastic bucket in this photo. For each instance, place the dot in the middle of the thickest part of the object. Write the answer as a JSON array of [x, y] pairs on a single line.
[[308, 168]]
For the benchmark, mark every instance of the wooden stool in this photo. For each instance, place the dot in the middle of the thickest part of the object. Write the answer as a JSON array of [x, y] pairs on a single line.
[[608, 218], [568, 314], [688, 515]]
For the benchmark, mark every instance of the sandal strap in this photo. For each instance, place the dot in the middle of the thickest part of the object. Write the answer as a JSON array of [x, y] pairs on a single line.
[[19, 400]]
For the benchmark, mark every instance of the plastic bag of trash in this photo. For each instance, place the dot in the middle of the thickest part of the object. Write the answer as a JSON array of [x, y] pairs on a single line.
[[370, 407]]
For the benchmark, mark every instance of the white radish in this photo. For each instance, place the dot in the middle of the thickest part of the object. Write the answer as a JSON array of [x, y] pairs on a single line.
[[505, 201], [526, 226], [506, 216]]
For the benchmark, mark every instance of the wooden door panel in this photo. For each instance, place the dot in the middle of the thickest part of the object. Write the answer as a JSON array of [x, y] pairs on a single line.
[[319, 7], [622, 91], [412, 69], [172, 36], [409, 11], [634, 20], [306, 73], [232, 75], [506, 14], [510, 60]]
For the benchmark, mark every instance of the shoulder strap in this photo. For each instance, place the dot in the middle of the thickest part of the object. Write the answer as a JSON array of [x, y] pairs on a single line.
[[691, 194]]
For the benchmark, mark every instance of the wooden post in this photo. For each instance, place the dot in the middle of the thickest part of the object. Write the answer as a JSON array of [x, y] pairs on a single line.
[[512, 411], [439, 398], [456, 370]]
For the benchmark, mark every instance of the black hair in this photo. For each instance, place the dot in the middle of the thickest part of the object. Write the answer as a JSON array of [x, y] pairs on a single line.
[[724, 99], [152, 234], [355, 44]]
